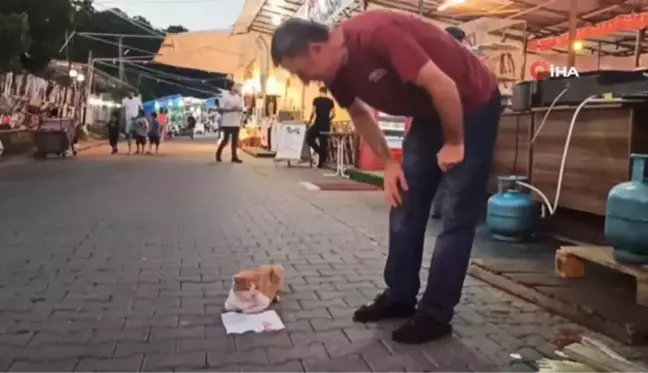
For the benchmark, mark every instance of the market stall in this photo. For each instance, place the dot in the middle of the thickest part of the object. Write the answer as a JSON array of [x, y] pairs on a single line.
[[573, 155], [179, 108]]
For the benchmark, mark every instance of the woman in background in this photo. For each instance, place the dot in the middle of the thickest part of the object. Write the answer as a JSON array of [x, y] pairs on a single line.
[[163, 119]]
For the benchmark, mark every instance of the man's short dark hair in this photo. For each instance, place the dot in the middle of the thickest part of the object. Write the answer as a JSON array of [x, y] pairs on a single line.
[[293, 37], [323, 90]]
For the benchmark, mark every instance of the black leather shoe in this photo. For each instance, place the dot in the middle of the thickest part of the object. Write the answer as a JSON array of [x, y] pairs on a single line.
[[421, 328], [382, 309]]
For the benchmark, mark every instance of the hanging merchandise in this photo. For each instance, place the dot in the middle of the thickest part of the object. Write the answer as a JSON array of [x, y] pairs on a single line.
[[627, 22], [626, 218], [513, 214]]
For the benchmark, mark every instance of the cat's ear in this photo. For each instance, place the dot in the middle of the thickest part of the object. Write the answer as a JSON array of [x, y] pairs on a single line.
[[277, 274]]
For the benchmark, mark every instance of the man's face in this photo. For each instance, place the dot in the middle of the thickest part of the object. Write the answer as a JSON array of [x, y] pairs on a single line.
[[316, 64], [236, 89], [131, 95]]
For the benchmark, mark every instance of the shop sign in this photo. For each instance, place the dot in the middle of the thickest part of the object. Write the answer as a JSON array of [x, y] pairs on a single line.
[[541, 69], [326, 11]]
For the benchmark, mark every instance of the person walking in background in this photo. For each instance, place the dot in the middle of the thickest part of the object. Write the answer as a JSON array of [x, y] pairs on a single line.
[[113, 130], [231, 108], [316, 135], [402, 64], [132, 106], [140, 132], [155, 133]]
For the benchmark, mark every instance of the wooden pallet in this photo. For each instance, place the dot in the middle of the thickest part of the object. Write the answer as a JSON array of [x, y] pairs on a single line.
[[570, 263]]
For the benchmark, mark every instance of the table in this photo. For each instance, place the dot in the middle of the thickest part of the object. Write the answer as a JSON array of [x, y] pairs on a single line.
[[338, 143]]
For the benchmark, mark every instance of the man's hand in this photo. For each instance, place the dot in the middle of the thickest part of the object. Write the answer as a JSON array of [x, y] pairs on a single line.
[[394, 183], [450, 156]]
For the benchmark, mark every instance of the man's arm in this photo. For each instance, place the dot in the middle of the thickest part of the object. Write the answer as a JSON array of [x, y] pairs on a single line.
[[368, 128], [446, 100], [414, 65], [312, 116]]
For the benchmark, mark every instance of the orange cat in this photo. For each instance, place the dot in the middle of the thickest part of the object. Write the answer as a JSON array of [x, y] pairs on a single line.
[[255, 289]]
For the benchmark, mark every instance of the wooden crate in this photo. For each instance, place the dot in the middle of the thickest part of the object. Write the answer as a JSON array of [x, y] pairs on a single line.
[[570, 264]]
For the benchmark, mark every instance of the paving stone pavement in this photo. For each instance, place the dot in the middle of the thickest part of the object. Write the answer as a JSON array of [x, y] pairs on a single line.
[[123, 264]]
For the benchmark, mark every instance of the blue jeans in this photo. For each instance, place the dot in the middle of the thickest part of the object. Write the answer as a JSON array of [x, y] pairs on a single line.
[[465, 189]]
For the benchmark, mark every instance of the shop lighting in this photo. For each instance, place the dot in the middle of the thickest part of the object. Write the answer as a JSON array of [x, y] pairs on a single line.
[[276, 20], [80, 78], [450, 3], [578, 45], [73, 73]]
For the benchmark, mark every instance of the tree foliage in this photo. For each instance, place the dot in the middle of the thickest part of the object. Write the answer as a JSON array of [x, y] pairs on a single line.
[[49, 21], [14, 39]]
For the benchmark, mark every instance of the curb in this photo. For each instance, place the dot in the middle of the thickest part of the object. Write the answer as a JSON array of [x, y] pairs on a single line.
[[91, 145], [365, 177], [16, 160], [258, 152]]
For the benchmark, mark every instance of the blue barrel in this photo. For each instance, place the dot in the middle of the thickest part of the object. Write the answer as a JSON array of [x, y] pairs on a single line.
[[512, 214], [626, 216]]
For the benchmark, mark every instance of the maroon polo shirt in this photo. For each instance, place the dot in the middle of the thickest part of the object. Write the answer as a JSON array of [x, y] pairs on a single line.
[[386, 51]]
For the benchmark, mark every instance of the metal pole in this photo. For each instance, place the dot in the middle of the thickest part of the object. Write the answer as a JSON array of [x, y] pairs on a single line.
[[120, 53], [598, 56], [121, 35], [65, 91], [88, 87], [573, 13], [641, 34]]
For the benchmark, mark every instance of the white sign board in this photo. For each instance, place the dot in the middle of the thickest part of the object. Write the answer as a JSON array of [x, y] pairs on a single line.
[[291, 144]]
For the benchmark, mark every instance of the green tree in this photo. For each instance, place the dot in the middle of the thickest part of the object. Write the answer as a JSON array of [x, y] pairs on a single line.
[[14, 39], [48, 22], [176, 29]]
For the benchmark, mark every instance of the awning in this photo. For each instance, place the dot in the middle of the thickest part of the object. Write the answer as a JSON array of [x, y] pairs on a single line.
[[213, 51], [227, 51]]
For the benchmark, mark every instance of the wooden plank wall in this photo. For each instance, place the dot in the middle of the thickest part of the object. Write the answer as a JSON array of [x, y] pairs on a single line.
[[597, 159], [506, 161]]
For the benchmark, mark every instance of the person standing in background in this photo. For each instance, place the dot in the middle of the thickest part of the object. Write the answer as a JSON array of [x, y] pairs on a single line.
[[231, 108], [191, 124], [163, 119], [140, 132], [113, 130], [154, 134], [132, 106], [316, 135]]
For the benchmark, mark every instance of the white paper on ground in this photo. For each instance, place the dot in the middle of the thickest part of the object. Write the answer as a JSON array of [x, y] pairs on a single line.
[[238, 323]]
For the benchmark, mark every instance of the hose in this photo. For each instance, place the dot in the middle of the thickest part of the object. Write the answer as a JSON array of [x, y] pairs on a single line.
[[544, 119], [563, 162]]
